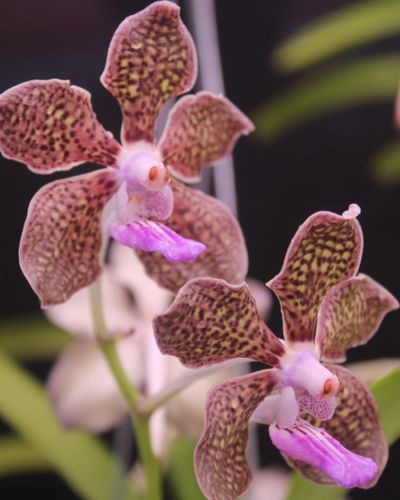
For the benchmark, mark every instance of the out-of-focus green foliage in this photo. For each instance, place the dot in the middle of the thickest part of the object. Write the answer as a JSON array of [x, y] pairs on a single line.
[[366, 80], [342, 30], [181, 477], [385, 165], [17, 457], [82, 460], [386, 392], [32, 338]]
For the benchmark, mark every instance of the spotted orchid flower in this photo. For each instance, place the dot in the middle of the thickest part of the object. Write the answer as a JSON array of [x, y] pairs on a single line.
[[320, 416], [49, 125]]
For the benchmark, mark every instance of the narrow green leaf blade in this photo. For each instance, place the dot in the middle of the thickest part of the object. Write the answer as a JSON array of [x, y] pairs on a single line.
[[385, 165], [371, 79], [181, 477], [17, 457], [82, 460], [32, 338], [337, 32], [387, 396]]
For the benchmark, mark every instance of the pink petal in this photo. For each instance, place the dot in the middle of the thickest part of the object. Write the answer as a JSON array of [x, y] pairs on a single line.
[[211, 321], [220, 459], [201, 129], [49, 125], [151, 59], [83, 390], [150, 236], [350, 314], [325, 251], [200, 217], [316, 447], [355, 424], [62, 241]]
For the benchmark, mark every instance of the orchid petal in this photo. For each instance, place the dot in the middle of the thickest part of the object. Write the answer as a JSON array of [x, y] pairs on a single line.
[[83, 390], [220, 461], [126, 269], [150, 236], [211, 321], [325, 251], [200, 217], [61, 242], [316, 447], [75, 316], [355, 424], [200, 130], [151, 59], [49, 125], [350, 314]]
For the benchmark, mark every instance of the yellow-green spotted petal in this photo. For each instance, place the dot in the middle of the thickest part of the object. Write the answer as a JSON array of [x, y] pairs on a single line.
[[50, 125], [201, 129], [211, 321], [197, 216], [220, 458], [325, 251], [151, 59], [61, 241], [350, 314]]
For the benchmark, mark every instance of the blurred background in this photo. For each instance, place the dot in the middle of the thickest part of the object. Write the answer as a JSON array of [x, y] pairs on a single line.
[[324, 110]]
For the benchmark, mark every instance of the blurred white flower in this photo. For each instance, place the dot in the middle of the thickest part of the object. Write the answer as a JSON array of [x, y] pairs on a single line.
[[81, 387]]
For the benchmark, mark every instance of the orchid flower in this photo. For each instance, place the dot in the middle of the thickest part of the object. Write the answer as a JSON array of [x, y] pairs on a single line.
[[81, 387], [321, 417], [49, 125]]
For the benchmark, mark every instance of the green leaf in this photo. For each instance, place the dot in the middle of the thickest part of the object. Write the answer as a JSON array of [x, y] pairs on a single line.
[[17, 457], [180, 474], [32, 338], [337, 32], [385, 165], [371, 79], [82, 460], [387, 396], [301, 488]]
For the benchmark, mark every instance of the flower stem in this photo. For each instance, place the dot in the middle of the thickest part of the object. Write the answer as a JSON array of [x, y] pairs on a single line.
[[150, 464]]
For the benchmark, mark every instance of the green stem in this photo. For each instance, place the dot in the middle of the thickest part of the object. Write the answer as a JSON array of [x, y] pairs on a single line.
[[140, 422]]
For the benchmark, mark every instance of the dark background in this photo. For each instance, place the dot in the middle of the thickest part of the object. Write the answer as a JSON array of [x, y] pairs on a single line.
[[320, 166]]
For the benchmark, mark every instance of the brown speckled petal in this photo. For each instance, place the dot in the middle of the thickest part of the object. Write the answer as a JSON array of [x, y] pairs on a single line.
[[61, 241], [350, 314], [201, 129], [220, 458], [355, 424], [200, 217], [151, 58], [49, 125], [325, 251], [212, 321]]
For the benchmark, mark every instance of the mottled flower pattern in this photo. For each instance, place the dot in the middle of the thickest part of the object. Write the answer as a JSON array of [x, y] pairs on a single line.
[[322, 417], [49, 125]]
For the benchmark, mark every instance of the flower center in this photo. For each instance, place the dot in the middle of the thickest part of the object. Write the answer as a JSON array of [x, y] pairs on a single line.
[[141, 166], [302, 370]]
